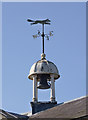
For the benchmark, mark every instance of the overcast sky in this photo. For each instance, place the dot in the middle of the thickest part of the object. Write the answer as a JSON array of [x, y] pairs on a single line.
[[67, 49]]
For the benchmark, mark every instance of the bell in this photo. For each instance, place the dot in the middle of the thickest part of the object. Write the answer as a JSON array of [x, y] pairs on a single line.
[[43, 81]]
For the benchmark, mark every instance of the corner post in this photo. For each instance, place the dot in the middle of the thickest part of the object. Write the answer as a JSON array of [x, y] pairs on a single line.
[[35, 98], [52, 88]]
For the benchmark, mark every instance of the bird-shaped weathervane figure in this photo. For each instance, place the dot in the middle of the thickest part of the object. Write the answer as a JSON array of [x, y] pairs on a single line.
[[47, 21]]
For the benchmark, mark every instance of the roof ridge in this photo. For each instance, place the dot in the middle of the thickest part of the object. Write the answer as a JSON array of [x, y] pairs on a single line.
[[75, 99]]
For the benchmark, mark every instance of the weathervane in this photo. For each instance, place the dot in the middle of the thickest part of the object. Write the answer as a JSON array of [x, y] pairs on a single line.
[[47, 21]]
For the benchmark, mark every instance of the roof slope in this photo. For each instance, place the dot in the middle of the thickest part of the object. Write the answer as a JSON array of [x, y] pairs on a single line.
[[73, 109], [12, 116]]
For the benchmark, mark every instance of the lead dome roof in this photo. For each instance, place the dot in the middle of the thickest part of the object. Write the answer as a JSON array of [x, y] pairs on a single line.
[[43, 67]]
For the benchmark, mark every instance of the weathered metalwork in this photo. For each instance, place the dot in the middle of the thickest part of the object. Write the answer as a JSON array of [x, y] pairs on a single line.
[[43, 67], [47, 21], [43, 84]]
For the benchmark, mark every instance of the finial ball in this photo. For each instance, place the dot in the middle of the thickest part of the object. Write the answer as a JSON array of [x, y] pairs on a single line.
[[43, 56]]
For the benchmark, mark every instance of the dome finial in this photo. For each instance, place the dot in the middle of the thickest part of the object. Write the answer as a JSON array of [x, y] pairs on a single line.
[[43, 56]]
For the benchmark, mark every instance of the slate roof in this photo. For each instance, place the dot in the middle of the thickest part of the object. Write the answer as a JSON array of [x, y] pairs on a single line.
[[11, 116], [74, 109]]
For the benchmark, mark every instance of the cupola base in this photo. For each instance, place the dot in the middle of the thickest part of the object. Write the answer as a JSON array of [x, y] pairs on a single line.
[[41, 106]]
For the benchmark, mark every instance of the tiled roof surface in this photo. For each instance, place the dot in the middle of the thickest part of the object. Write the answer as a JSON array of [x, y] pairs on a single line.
[[73, 109]]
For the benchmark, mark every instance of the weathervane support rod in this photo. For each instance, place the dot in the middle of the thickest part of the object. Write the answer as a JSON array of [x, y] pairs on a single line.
[[42, 38], [47, 21]]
